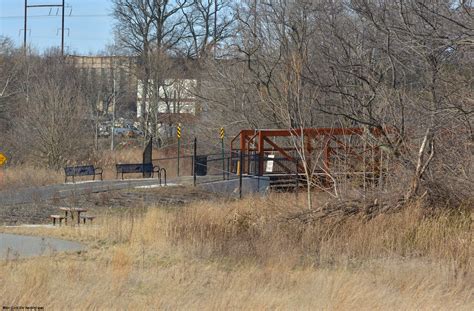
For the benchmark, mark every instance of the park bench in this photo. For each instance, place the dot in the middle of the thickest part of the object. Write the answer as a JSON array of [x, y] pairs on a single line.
[[84, 170], [136, 168], [59, 218]]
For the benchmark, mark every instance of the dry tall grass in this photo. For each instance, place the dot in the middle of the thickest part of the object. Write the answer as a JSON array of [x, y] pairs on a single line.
[[269, 230], [24, 175], [20, 176], [247, 255]]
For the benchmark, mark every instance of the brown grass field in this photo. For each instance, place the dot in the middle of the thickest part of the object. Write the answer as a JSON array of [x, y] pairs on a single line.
[[24, 175], [248, 255]]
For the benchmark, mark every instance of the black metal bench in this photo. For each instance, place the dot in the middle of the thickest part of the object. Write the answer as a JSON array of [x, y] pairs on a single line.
[[84, 170], [137, 168]]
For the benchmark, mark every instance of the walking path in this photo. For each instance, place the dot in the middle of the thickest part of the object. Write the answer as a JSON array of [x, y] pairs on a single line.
[[12, 246], [43, 193]]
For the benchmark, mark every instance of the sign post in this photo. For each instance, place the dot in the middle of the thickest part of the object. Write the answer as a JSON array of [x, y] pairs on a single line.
[[178, 135], [222, 135], [194, 161]]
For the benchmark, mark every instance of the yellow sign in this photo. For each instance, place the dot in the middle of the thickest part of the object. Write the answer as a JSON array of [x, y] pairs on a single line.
[[222, 133], [178, 131], [3, 159]]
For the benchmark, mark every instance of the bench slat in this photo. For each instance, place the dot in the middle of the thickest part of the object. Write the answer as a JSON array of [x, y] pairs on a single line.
[[57, 216], [83, 170], [87, 216], [134, 168]]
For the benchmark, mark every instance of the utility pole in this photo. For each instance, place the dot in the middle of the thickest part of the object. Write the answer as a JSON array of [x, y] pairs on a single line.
[[113, 118], [62, 29], [215, 27], [25, 25], [215, 19]]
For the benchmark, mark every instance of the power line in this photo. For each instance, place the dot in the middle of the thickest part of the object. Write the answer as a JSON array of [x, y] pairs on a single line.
[[42, 16], [75, 38]]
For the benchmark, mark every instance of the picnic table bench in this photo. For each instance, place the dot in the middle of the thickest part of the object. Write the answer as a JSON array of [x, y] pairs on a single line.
[[82, 170], [87, 217], [136, 168], [59, 218], [71, 211]]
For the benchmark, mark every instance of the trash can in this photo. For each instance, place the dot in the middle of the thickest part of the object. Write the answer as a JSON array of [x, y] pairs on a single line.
[[200, 167]]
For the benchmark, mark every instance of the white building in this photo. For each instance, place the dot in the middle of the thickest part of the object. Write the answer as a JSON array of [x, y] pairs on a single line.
[[175, 96]]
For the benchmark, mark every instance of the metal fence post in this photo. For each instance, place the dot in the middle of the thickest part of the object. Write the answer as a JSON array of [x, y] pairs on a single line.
[[297, 180], [194, 160], [223, 158], [179, 147], [240, 174]]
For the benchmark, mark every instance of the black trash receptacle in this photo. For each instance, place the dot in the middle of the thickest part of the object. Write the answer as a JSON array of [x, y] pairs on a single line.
[[200, 167]]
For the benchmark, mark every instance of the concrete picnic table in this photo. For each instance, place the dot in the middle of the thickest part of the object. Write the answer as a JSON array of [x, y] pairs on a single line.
[[73, 210]]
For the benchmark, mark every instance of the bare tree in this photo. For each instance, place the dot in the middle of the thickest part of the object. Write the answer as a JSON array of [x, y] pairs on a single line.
[[148, 29], [209, 23], [423, 42], [9, 75], [49, 124], [393, 66]]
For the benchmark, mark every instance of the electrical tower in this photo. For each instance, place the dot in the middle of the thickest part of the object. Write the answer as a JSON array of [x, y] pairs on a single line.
[[62, 6]]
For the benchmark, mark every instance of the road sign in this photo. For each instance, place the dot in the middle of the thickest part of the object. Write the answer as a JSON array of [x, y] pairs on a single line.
[[178, 131], [222, 133], [3, 159]]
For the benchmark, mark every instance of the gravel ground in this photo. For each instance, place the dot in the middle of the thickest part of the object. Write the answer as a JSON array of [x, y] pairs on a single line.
[[97, 203]]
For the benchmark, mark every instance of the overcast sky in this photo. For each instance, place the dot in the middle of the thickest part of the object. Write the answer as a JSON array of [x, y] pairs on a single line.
[[89, 23]]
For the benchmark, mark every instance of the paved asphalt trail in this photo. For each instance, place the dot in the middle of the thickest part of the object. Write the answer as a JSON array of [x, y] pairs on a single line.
[[37, 194]]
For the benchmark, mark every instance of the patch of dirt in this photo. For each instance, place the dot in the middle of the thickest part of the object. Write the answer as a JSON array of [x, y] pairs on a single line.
[[99, 203]]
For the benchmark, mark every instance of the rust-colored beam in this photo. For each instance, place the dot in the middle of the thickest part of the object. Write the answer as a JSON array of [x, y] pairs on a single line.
[[313, 132], [327, 158], [322, 131]]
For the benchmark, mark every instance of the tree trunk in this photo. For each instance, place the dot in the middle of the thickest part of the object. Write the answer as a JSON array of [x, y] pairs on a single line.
[[422, 164]]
